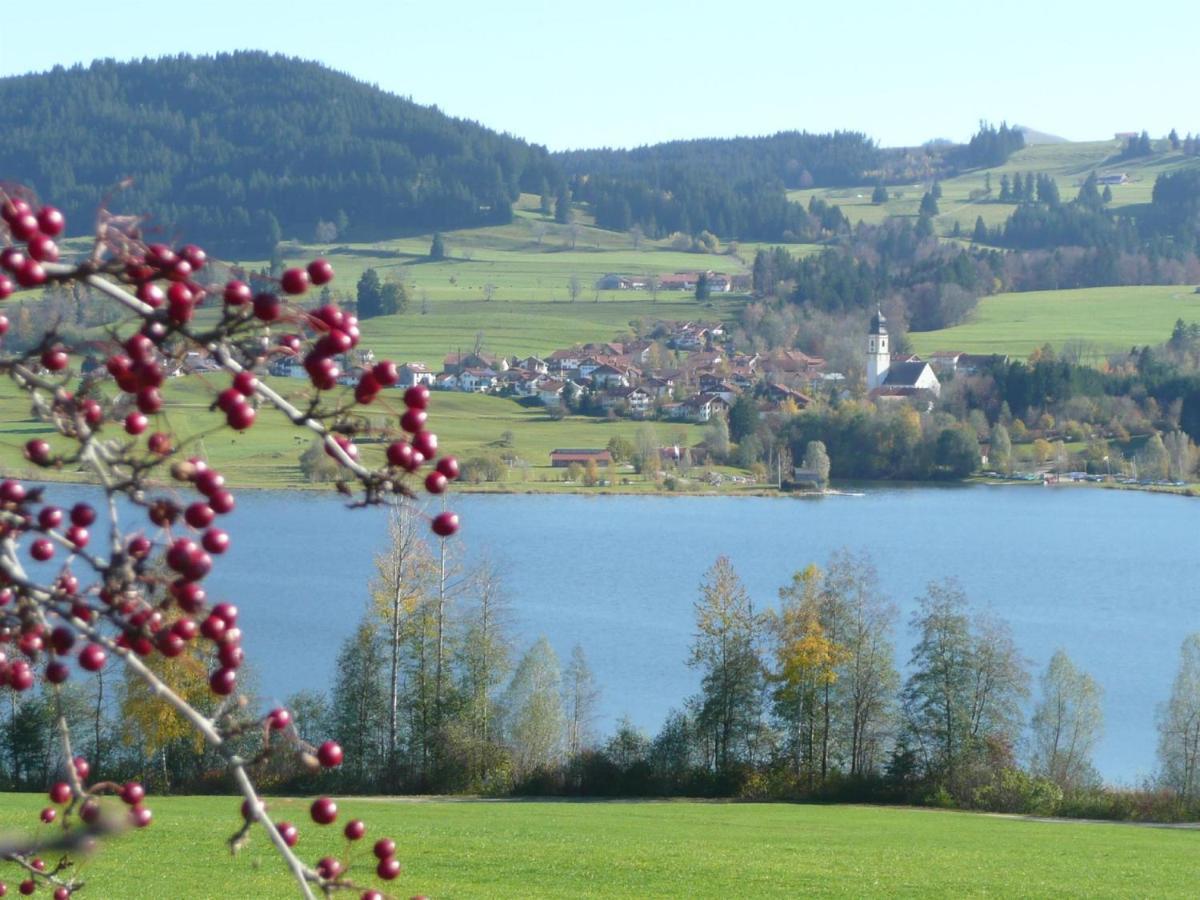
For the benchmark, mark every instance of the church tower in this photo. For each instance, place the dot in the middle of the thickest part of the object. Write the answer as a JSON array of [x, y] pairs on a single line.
[[879, 354]]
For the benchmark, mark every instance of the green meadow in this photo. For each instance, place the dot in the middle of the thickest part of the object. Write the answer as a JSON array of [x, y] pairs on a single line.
[[1068, 163], [267, 455], [1108, 319], [466, 849]]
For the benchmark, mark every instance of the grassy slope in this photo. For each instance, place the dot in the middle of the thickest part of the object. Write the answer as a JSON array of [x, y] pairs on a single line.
[[1111, 318], [1069, 163], [267, 454], [621, 849]]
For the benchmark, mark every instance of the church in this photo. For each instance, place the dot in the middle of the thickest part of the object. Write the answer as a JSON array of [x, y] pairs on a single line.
[[900, 378]]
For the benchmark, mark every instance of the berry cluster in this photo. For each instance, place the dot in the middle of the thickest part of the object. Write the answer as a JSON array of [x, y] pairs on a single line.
[[62, 602]]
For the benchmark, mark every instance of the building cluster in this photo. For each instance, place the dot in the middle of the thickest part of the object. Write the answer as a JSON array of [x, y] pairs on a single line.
[[681, 370], [717, 282]]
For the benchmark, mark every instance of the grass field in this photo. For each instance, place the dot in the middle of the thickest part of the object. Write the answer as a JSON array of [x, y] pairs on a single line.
[[1109, 318], [267, 454], [1068, 163], [671, 849]]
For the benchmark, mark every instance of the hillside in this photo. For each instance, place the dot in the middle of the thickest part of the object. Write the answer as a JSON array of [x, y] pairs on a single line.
[[240, 149], [964, 197]]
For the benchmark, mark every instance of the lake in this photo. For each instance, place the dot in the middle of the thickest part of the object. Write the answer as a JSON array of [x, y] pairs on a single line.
[[1109, 576]]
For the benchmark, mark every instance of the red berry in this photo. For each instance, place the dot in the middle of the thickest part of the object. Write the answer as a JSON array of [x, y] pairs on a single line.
[[49, 814], [221, 502], [160, 443], [238, 293], [445, 524], [448, 466], [78, 536], [400, 454], [27, 887], [435, 483], [241, 417], [135, 423], [132, 793], [329, 868], [83, 514], [384, 848], [42, 248], [294, 281], [323, 811], [149, 400], [20, 677], [223, 681], [151, 294], [355, 829], [425, 443], [199, 515], [82, 768], [37, 451], [215, 541], [388, 868], [209, 482], [244, 383], [367, 389], [413, 420], [50, 221], [23, 226], [60, 793], [278, 719], [92, 657], [41, 549], [31, 274], [6, 287], [55, 359], [386, 374], [320, 272], [267, 307], [195, 256], [288, 832], [57, 673], [417, 397], [330, 755], [140, 816]]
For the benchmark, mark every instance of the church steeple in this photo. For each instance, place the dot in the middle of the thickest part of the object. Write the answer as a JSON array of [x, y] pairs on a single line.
[[879, 354]]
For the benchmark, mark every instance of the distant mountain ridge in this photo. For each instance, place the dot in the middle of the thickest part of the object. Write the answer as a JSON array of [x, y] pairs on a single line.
[[237, 149]]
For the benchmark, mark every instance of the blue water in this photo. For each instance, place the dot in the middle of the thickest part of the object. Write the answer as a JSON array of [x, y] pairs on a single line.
[[1111, 577]]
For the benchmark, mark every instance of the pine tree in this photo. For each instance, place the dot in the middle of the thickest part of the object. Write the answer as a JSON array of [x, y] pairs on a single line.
[[370, 294], [437, 248], [980, 235], [562, 207]]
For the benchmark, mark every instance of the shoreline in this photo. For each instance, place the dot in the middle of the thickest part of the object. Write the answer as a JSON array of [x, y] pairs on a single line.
[[856, 488]]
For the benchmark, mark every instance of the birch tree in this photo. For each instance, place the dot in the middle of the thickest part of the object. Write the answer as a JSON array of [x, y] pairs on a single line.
[[1067, 724]]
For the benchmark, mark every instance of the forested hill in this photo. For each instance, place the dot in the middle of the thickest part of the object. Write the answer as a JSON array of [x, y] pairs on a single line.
[[237, 149], [733, 187]]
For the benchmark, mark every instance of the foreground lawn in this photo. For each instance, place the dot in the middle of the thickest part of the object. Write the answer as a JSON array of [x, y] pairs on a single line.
[[1108, 318], [652, 849]]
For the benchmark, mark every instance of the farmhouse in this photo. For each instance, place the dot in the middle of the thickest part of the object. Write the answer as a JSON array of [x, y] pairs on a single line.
[[560, 459]]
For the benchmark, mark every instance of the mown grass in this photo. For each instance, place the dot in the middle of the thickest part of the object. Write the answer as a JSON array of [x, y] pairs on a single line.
[[1068, 163], [652, 849], [267, 455], [1109, 319]]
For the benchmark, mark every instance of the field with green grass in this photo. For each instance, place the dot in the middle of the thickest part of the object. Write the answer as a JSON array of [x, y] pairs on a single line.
[[1109, 319], [651, 849], [1068, 163], [267, 454]]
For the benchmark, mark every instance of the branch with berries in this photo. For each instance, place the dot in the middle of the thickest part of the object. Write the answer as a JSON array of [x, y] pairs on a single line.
[[68, 605]]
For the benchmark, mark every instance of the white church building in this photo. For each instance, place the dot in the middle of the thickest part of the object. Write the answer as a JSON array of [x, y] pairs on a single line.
[[888, 378]]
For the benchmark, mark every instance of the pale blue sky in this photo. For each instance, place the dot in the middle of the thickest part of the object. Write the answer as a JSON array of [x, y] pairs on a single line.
[[623, 73]]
